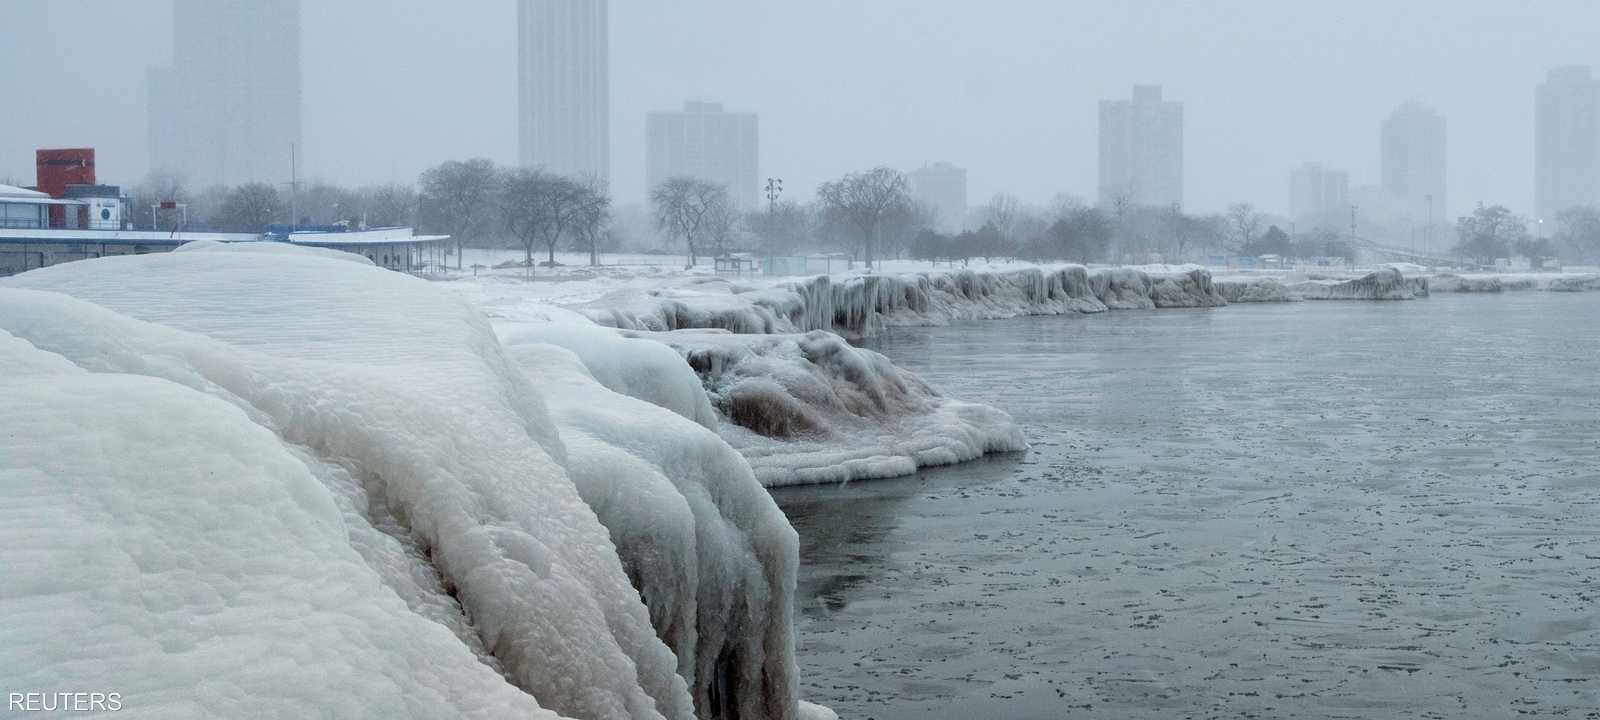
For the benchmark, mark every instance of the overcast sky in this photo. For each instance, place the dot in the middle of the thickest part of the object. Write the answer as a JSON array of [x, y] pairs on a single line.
[[1005, 88]]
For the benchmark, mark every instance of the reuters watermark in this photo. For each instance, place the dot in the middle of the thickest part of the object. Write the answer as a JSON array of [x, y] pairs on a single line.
[[64, 702]]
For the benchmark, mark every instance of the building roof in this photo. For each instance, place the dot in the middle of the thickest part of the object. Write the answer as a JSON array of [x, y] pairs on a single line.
[[11, 236], [46, 200], [12, 191], [381, 236]]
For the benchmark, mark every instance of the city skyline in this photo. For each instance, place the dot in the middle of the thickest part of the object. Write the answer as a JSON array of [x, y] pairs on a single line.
[[1567, 141], [227, 110], [563, 88], [376, 112], [705, 142], [1141, 150]]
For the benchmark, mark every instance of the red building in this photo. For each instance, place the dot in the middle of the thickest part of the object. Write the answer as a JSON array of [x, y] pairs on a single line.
[[58, 168]]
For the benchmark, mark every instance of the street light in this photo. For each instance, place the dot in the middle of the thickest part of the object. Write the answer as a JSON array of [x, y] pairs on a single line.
[[774, 189]]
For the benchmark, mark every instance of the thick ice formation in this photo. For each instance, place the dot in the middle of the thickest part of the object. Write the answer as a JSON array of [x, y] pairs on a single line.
[[860, 305], [697, 535], [812, 408], [1382, 284], [446, 468], [161, 545], [1503, 282]]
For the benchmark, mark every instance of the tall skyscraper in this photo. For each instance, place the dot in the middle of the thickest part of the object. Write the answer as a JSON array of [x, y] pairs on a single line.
[[1566, 141], [1412, 160], [228, 110], [564, 87], [703, 141], [942, 188], [1317, 193], [1141, 149]]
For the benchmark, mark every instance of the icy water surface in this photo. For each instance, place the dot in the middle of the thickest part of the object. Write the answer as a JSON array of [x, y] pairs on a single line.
[[1311, 510]]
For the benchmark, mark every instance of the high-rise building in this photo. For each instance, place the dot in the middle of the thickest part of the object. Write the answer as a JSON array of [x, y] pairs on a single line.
[[228, 110], [1412, 160], [564, 107], [1141, 149], [942, 188], [705, 142], [1566, 141], [1317, 193]]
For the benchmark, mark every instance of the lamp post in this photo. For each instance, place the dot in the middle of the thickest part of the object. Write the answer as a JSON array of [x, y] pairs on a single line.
[[774, 189]]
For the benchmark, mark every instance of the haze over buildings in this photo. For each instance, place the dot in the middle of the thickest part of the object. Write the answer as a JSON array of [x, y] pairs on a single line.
[[1412, 158], [1317, 194], [391, 88], [942, 189], [704, 141], [563, 56], [1566, 141], [1141, 149], [228, 109]]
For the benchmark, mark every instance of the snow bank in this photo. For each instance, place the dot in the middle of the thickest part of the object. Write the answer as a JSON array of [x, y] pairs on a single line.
[[161, 545], [861, 305], [812, 408], [447, 470]]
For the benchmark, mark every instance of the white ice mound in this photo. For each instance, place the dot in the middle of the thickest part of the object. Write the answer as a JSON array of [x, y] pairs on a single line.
[[1383, 284], [403, 394], [1504, 282], [861, 305], [649, 371], [711, 553], [811, 408], [159, 544]]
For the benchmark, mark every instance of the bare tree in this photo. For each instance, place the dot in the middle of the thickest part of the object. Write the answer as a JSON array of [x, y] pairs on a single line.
[[592, 218], [521, 205], [782, 228], [457, 196], [158, 188], [863, 201], [722, 225], [1244, 224], [685, 207], [248, 208], [1001, 212], [389, 205]]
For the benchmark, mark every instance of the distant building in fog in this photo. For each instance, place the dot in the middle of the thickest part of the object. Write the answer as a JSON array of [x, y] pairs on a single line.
[[1566, 141], [703, 141], [1141, 149], [942, 188], [228, 109], [564, 115], [1317, 192], [1412, 157]]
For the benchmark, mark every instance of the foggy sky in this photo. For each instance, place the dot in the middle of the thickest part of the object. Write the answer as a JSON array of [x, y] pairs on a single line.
[[1006, 88]]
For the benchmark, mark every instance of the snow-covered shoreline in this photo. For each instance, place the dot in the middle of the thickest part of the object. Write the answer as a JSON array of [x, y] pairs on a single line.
[[333, 489]]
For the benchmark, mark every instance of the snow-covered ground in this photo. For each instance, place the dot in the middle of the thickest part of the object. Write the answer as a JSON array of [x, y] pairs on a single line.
[[251, 483]]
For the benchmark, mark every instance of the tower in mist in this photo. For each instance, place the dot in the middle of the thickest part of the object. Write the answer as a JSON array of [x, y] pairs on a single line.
[[1318, 196], [703, 141], [1566, 141], [1141, 149], [563, 87], [228, 110], [1412, 160], [942, 188]]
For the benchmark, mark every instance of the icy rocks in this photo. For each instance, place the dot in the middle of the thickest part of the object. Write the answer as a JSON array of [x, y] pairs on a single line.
[[812, 408]]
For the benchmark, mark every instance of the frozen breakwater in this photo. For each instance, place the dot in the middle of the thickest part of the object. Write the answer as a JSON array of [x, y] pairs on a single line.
[[861, 305], [285, 484]]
